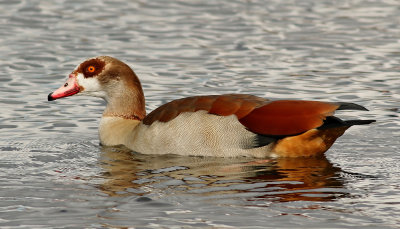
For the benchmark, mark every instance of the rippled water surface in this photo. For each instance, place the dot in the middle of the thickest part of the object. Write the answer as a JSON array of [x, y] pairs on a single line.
[[54, 173]]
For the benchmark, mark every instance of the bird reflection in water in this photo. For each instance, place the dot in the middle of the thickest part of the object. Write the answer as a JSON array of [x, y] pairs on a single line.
[[280, 179]]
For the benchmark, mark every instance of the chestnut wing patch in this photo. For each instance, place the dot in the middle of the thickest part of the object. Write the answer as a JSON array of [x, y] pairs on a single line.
[[223, 105], [288, 117]]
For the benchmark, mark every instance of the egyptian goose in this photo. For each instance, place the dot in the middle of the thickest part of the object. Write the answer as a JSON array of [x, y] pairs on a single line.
[[228, 125]]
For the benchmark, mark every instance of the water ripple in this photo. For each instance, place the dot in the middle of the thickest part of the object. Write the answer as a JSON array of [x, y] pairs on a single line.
[[54, 173]]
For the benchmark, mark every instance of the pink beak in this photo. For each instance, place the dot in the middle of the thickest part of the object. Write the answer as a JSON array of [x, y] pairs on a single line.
[[71, 87]]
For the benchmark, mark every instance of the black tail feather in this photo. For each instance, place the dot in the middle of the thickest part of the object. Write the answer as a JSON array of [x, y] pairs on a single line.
[[333, 122], [358, 122]]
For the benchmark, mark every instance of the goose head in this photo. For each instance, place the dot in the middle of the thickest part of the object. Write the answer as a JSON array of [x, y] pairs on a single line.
[[108, 78]]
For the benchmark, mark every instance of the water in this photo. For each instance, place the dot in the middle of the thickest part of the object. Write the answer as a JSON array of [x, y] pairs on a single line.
[[54, 173]]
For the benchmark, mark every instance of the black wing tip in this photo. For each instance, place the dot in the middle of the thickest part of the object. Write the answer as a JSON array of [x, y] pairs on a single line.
[[350, 106]]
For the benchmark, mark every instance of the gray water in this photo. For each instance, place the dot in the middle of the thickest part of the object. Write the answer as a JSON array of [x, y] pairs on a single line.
[[54, 173]]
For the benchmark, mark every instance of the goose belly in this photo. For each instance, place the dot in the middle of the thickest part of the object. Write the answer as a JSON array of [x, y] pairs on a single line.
[[199, 134]]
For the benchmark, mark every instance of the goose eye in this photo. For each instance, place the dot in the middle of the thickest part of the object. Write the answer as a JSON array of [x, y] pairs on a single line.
[[91, 69]]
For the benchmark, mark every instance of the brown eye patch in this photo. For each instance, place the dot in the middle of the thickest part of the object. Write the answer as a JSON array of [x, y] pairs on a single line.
[[91, 67]]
